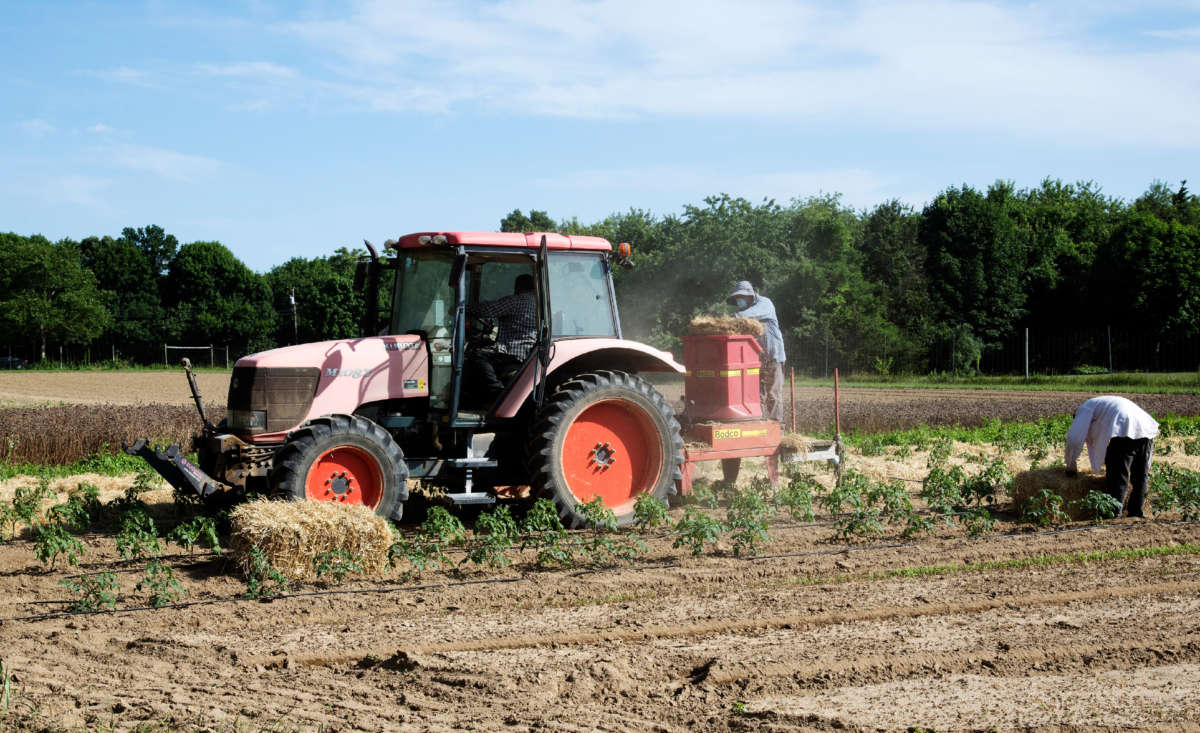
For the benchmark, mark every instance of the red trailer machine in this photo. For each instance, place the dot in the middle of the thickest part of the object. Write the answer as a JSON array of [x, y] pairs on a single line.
[[723, 411]]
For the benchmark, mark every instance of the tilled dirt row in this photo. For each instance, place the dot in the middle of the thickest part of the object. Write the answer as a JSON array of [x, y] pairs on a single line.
[[811, 637]]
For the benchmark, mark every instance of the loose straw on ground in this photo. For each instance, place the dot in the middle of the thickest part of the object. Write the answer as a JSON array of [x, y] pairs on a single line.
[[292, 534]]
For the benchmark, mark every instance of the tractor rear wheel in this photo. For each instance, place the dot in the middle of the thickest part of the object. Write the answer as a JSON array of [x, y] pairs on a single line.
[[346, 459], [608, 434]]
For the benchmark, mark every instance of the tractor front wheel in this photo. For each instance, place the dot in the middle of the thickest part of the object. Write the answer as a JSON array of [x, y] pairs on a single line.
[[606, 434], [346, 459]]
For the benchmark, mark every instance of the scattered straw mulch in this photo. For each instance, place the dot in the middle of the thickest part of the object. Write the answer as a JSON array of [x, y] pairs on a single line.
[[292, 534], [1028, 483], [794, 443], [725, 326]]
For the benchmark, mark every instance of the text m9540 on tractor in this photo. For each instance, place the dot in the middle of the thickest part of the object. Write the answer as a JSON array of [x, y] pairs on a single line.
[[355, 420]]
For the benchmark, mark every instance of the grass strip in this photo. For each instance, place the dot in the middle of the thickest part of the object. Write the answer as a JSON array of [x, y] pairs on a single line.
[[1020, 563]]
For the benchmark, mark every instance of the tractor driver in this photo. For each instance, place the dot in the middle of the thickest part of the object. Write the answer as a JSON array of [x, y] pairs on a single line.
[[491, 366]]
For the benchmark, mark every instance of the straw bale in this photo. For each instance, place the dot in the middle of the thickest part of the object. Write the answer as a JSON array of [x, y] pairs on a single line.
[[725, 326], [794, 443], [1071, 489], [292, 534]]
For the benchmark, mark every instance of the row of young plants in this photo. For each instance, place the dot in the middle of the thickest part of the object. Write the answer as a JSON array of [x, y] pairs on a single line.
[[58, 533]]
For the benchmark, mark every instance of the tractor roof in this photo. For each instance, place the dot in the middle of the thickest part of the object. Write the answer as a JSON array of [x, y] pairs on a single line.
[[531, 240]]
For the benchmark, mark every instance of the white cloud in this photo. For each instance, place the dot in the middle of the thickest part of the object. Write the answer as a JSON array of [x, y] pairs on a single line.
[[857, 188], [168, 164], [101, 129], [122, 75], [1016, 69], [262, 70], [37, 127]]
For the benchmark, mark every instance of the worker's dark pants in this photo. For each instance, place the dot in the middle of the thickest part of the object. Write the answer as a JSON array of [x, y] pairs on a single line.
[[489, 372], [1127, 461]]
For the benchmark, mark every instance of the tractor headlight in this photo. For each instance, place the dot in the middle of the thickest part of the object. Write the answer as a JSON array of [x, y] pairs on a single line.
[[247, 419]]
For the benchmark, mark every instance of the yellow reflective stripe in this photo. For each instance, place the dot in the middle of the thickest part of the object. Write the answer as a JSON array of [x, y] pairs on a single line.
[[731, 372]]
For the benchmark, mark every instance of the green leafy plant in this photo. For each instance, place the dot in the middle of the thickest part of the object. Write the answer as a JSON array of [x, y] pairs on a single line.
[[495, 534], [978, 521], [96, 591], [27, 505], [199, 530], [649, 512], [1044, 508], [796, 497], [600, 546], [1173, 488], [138, 537], [80, 509], [1100, 506], [437, 533], [263, 580], [1191, 447], [941, 489], [543, 531], [337, 563], [747, 521], [52, 540], [160, 580], [695, 529]]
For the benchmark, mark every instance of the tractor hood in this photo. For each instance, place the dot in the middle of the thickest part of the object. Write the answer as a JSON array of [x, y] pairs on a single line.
[[296, 383]]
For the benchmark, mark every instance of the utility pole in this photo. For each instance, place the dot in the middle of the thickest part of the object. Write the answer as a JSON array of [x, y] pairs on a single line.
[[295, 322]]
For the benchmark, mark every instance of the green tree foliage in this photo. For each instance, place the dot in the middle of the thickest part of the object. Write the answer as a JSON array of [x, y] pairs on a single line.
[[129, 289], [326, 306], [213, 298], [46, 294], [537, 221]]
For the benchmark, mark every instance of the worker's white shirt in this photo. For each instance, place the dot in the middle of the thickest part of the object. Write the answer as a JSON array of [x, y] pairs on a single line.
[[1101, 419]]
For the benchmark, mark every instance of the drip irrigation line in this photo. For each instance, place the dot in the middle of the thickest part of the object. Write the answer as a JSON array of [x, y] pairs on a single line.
[[639, 568]]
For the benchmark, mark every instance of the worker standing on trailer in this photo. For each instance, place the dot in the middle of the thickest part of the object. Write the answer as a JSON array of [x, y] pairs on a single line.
[[761, 309], [1120, 436]]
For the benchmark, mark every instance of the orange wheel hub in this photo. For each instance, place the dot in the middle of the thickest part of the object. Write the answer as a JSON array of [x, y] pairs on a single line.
[[347, 475], [612, 450]]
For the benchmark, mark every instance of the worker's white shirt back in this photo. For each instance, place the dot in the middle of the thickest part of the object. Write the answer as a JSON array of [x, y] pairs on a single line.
[[1101, 419]]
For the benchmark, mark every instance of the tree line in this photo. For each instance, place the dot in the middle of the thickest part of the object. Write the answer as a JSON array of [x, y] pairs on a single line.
[[881, 290]]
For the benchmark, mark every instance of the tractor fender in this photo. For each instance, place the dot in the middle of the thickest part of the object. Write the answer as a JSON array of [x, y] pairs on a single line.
[[583, 355]]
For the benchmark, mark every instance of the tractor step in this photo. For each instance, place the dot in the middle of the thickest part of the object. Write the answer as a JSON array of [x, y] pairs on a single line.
[[471, 498]]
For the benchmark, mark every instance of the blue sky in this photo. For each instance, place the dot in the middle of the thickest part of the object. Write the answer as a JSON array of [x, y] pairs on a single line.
[[290, 129]]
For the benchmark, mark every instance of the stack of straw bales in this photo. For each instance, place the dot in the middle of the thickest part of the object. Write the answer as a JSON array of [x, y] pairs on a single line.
[[1071, 489], [292, 534], [725, 326]]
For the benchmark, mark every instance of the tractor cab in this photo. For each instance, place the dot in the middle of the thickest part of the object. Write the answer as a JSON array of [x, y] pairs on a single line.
[[446, 285]]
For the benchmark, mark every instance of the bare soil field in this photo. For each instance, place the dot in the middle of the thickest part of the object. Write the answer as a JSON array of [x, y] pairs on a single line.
[[26, 388], [1018, 630]]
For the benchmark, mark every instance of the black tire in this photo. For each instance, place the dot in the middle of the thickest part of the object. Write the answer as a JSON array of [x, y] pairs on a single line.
[[326, 439], [569, 469]]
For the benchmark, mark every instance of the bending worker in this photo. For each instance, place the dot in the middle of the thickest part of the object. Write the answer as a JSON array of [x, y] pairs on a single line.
[[760, 308], [1120, 436]]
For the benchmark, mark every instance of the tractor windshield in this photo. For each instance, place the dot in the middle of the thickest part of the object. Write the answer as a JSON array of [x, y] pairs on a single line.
[[424, 300], [579, 295]]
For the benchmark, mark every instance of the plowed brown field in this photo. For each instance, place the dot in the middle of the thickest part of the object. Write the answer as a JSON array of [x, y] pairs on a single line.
[[811, 635]]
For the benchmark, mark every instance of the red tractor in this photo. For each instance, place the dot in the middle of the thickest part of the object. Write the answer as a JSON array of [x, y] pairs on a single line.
[[354, 420]]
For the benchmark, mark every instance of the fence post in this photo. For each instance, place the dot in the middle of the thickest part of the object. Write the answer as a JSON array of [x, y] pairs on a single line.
[[226, 356], [164, 355], [1108, 331], [1027, 353]]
